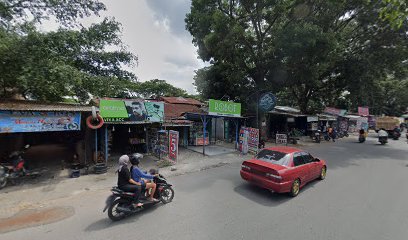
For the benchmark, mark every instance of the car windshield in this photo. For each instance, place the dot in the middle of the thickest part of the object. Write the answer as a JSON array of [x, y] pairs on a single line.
[[274, 157]]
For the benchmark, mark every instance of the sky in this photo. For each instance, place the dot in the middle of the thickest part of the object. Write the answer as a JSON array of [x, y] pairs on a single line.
[[154, 30]]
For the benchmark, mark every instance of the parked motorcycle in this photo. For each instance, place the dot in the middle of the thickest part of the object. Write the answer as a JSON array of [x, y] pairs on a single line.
[[383, 140], [316, 136], [120, 203], [14, 168]]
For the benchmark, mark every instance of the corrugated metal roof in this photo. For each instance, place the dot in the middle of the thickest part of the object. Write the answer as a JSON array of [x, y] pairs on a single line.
[[181, 100], [174, 111], [24, 105]]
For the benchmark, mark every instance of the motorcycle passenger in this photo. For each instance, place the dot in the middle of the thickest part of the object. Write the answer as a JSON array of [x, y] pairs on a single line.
[[142, 178], [382, 133], [125, 182]]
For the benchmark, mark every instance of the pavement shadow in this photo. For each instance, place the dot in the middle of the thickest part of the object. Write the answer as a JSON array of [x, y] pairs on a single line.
[[107, 223], [260, 195]]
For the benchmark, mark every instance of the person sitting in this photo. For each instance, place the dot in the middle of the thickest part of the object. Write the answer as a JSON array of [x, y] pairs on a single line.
[[125, 182], [382, 133], [143, 178]]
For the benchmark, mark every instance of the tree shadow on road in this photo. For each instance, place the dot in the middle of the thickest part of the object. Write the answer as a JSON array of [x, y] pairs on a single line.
[[260, 195]]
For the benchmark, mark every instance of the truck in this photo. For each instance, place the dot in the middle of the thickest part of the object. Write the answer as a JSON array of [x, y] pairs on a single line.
[[386, 122]]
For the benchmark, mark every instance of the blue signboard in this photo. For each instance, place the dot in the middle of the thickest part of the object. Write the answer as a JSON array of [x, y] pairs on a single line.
[[267, 102], [29, 121]]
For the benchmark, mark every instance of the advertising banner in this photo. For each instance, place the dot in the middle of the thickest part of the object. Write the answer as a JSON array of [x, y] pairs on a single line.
[[29, 121], [173, 145], [248, 139], [131, 111], [223, 108], [335, 111], [363, 111], [313, 119]]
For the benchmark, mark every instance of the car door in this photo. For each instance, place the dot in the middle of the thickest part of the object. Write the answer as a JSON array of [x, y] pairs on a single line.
[[309, 165], [300, 168]]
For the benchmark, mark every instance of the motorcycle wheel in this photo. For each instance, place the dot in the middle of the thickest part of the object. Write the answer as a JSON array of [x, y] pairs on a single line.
[[3, 182], [167, 195], [113, 213]]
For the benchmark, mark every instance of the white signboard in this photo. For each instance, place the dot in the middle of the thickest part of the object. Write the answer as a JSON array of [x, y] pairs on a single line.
[[281, 139], [313, 119]]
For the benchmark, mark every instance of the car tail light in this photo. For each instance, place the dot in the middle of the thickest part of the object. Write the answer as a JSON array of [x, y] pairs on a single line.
[[245, 167], [274, 176]]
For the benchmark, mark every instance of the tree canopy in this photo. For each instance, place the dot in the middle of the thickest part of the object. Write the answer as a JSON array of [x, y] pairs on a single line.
[[313, 51], [74, 61], [157, 88]]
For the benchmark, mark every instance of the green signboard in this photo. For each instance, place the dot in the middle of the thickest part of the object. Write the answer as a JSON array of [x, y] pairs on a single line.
[[131, 110], [223, 108]]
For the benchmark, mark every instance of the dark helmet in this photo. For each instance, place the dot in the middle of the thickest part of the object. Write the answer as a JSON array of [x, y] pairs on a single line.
[[135, 158]]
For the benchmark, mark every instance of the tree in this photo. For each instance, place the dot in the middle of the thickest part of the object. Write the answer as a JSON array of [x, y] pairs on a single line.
[[71, 62], [314, 49], [157, 88], [395, 12], [15, 12]]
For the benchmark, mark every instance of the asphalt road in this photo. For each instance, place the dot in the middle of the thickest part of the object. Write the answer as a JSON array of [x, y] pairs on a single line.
[[363, 197]]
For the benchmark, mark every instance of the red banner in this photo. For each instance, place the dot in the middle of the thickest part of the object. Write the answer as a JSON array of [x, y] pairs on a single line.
[[363, 111], [173, 145]]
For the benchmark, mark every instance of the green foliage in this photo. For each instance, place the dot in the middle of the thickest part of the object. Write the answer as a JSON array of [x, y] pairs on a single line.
[[49, 66], [14, 12], [309, 51], [395, 12], [157, 88]]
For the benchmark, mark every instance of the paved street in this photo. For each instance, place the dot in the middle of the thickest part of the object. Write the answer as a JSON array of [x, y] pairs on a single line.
[[363, 197]]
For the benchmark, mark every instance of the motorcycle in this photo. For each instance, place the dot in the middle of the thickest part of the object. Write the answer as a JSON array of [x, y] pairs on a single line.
[[120, 203], [383, 140], [316, 137], [396, 135], [14, 169]]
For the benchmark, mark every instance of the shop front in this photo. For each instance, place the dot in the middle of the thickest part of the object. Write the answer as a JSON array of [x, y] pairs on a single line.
[[131, 125], [57, 133]]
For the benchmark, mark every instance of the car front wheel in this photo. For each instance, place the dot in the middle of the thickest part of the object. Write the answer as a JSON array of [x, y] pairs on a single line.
[[323, 173]]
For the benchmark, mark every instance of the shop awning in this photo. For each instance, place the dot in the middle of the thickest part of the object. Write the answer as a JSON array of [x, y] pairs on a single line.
[[177, 123], [291, 114], [324, 117]]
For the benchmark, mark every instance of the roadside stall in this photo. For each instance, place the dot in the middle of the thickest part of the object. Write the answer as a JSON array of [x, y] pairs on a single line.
[[131, 125]]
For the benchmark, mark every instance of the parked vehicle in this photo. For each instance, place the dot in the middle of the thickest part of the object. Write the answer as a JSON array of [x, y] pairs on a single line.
[[14, 169], [316, 136], [120, 203], [283, 169], [386, 123]]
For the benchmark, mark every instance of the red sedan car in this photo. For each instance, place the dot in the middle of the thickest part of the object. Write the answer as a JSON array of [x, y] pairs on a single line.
[[283, 169]]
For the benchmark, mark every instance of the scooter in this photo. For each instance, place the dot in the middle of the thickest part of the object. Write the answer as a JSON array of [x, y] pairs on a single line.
[[121, 204], [14, 169], [316, 137], [383, 140]]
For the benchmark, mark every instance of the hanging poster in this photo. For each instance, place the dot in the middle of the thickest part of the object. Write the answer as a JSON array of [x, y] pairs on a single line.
[[173, 145], [155, 111], [281, 139], [29, 121]]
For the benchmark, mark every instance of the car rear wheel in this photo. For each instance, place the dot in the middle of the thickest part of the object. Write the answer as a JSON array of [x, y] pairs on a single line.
[[294, 191], [323, 173]]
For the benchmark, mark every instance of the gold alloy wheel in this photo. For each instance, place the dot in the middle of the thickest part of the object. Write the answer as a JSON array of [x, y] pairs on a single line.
[[295, 188], [323, 173]]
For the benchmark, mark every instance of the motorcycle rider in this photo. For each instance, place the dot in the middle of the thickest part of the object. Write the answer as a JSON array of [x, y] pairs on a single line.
[[382, 133], [143, 178], [125, 182]]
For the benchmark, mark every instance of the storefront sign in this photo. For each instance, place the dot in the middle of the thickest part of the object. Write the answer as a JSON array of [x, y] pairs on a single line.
[[223, 108], [281, 139], [363, 111], [200, 141], [335, 111], [313, 119], [131, 111], [173, 145], [28, 121], [248, 139], [267, 102]]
